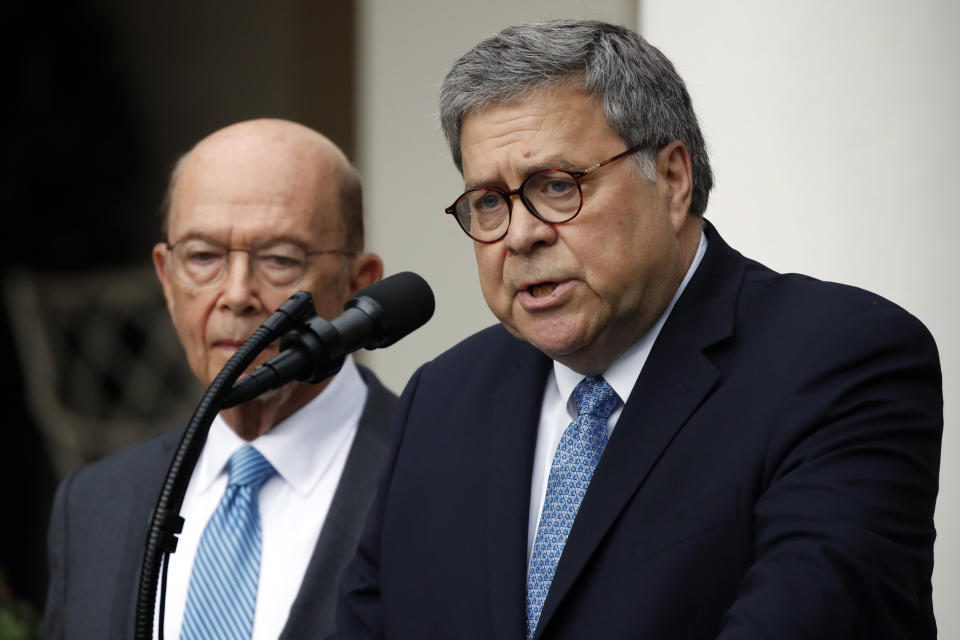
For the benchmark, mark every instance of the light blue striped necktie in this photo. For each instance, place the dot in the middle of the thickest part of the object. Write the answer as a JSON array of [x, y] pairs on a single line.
[[577, 455], [223, 585]]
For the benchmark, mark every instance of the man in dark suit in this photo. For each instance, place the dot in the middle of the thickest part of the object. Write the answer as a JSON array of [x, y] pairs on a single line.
[[662, 439], [255, 212]]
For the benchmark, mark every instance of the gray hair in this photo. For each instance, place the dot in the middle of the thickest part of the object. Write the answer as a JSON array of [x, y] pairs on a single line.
[[642, 96], [351, 206], [167, 203]]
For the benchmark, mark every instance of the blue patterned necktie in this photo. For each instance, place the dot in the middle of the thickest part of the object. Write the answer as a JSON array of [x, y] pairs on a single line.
[[577, 455], [223, 585]]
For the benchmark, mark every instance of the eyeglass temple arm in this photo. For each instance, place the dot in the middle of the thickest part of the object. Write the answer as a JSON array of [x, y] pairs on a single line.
[[633, 149]]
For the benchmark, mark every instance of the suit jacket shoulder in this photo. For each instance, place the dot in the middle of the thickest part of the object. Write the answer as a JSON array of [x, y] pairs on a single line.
[[100, 518], [97, 529]]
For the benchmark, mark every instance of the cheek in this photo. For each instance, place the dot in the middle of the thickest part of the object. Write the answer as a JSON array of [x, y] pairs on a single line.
[[189, 318], [490, 272], [329, 295], [189, 315], [614, 264]]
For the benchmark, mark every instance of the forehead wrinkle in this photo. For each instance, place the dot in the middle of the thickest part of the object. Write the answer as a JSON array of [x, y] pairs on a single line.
[[258, 226], [554, 161], [263, 240], [520, 139], [277, 198], [519, 165]]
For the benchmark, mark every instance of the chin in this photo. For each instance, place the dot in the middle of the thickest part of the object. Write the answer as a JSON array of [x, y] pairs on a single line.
[[560, 352], [556, 347], [556, 336]]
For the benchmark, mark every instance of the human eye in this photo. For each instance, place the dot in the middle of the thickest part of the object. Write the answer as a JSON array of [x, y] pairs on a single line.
[[488, 210], [198, 262], [202, 253], [281, 256], [280, 263], [555, 185], [486, 202]]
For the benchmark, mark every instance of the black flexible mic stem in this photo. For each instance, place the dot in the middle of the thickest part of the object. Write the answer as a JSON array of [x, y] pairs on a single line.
[[165, 520]]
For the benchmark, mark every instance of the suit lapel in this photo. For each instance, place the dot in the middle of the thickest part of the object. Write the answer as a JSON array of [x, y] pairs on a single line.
[[312, 612], [513, 412], [673, 383]]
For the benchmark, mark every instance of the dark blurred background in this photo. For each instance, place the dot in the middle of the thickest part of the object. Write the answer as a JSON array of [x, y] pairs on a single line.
[[101, 97]]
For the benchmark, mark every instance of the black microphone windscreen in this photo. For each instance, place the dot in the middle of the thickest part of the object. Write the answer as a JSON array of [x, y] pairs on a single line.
[[407, 303]]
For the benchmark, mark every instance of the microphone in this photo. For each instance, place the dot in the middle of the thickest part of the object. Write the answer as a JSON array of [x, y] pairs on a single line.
[[375, 317]]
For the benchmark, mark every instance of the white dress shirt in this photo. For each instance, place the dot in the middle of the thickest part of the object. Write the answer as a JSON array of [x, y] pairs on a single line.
[[559, 409], [309, 450]]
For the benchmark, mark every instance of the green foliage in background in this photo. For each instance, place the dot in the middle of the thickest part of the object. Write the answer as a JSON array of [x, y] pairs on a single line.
[[18, 620]]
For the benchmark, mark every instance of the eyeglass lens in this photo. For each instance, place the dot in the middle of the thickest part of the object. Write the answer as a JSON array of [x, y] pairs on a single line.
[[199, 262], [552, 195]]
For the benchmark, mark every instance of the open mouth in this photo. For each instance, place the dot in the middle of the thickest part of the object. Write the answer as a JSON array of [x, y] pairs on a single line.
[[541, 289]]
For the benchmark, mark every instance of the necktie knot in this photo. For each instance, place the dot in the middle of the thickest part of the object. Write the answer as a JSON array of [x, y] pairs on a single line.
[[248, 468], [594, 396]]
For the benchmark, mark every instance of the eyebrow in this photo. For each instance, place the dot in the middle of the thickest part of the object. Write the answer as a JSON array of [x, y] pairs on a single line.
[[553, 162]]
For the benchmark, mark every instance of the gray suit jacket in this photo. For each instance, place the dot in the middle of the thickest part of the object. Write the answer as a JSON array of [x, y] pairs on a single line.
[[99, 524]]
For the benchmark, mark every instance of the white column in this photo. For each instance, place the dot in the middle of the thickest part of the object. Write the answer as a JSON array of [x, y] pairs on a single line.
[[834, 129]]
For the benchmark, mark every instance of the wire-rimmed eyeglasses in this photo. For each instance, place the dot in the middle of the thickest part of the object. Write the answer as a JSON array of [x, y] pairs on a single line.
[[552, 195], [198, 262]]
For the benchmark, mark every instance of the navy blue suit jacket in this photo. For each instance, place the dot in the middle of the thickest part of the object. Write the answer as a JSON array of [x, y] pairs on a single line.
[[773, 475]]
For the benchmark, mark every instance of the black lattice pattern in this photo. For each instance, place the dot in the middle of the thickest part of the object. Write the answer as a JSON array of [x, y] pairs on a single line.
[[101, 362]]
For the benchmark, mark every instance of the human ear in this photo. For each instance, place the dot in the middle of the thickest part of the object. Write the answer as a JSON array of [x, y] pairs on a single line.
[[163, 275], [367, 268], [675, 178]]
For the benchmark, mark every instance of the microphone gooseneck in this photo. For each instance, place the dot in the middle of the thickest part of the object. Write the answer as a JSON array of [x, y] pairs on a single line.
[[165, 520]]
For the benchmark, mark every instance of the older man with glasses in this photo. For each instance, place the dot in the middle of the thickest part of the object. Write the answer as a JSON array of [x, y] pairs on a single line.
[[661, 439], [254, 213]]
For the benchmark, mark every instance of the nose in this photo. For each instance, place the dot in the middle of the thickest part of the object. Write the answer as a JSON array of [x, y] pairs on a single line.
[[240, 288], [527, 232]]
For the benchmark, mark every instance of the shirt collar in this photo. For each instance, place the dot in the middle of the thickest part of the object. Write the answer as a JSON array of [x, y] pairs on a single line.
[[303, 446], [623, 373]]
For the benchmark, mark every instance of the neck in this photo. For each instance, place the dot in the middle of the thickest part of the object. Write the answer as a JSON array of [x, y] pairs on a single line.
[[252, 419]]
